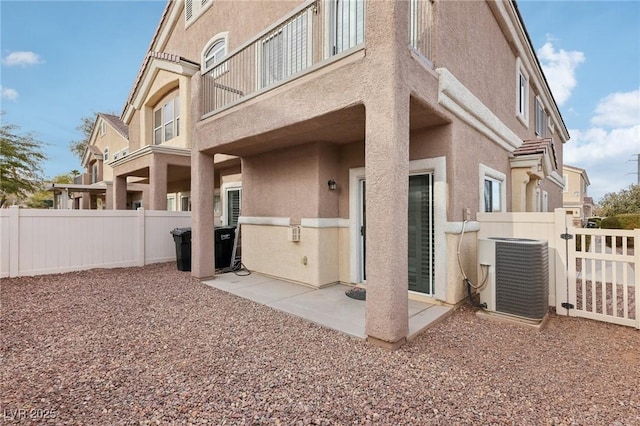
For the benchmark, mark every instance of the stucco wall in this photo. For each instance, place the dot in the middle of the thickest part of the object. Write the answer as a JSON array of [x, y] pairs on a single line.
[[291, 182], [223, 15], [314, 260]]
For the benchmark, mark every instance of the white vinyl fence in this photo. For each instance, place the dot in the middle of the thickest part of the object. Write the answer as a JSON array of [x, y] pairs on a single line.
[[36, 242], [593, 273]]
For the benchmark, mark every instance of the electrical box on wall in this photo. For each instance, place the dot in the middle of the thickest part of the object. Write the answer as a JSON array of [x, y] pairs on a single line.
[[294, 233]]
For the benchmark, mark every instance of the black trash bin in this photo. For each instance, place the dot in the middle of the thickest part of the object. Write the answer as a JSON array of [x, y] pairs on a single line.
[[224, 239], [182, 238]]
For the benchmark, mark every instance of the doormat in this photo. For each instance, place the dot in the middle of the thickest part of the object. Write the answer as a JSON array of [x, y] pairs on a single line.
[[357, 293]]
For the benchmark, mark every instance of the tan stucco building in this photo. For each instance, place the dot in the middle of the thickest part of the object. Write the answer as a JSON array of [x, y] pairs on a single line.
[[351, 140], [575, 196]]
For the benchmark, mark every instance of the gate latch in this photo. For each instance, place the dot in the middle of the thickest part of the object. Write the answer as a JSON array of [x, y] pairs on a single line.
[[567, 305], [566, 236]]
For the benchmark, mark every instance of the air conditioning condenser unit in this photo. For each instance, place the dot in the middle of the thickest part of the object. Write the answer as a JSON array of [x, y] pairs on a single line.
[[517, 276]]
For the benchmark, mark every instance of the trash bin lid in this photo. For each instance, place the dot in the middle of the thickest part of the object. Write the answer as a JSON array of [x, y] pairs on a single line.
[[180, 231]]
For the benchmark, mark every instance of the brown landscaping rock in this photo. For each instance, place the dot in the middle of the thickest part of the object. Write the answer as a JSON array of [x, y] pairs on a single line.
[[151, 346]]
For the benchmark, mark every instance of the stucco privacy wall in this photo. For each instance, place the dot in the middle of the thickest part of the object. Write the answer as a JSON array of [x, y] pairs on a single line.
[[314, 260]]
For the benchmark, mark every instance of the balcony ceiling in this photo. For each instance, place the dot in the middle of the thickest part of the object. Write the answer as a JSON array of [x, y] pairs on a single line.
[[339, 127]]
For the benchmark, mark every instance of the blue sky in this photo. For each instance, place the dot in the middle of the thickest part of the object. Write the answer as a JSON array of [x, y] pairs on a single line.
[[65, 60], [590, 52]]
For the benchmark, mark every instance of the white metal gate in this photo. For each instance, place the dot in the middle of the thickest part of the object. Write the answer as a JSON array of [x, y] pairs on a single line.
[[603, 275]]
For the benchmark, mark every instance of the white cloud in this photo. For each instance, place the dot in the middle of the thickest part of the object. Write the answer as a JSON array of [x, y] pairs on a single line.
[[605, 154], [559, 67], [22, 59], [618, 110], [8, 94]]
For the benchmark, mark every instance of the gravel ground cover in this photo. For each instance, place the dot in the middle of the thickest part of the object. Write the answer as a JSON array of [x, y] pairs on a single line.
[[151, 346]]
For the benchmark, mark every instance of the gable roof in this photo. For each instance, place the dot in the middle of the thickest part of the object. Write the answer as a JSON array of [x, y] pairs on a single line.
[[116, 123], [538, 146]]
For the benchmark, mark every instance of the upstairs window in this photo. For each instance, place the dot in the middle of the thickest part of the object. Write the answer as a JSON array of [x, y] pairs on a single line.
[[194, 8], [286, 51], [103, 128], [421, 26], [94, 173], [347, 21], [105, 155], [522, 94], [166, 121], [541, 119], [213, 54]]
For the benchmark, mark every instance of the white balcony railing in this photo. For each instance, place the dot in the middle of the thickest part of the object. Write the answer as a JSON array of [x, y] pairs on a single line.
[[309, 35]]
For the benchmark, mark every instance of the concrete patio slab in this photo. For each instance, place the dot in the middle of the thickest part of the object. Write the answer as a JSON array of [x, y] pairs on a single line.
[[329, 307]]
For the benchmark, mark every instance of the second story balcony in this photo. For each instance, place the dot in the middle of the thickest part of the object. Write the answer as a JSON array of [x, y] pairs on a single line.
[[308, 38], [302, 41]]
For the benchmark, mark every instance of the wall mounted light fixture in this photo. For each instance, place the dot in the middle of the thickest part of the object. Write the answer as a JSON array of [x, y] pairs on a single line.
[[332, 185]]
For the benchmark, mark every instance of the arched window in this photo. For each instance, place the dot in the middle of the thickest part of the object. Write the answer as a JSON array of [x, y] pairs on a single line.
[[214, 53]]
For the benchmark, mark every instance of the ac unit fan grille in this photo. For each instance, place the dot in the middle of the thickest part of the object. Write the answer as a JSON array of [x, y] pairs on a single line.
[[522, 279]]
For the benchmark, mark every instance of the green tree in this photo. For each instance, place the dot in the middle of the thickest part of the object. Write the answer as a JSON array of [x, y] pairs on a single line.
[[21, 159], [43, 199], [623, 201], [86, 127]]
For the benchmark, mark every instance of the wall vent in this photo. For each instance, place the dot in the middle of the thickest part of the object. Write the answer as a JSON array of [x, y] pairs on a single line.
[[518, 276], [294, 233]]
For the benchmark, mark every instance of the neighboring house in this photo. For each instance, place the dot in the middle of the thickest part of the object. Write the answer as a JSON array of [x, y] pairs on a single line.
[[574, 194], [93, 189], [158, 115], [351, 140]]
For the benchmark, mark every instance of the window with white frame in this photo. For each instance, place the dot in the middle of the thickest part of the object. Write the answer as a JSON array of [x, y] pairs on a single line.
[[103, 128], [185, 203], [234, 203], [286, 51], [94, 173], [171, 203], [231, 203], [347, 22], [214, 54], [522, 93], [194, 8], [541, 118], [492, 190], [566, 183], [166, 121], [105, 155]]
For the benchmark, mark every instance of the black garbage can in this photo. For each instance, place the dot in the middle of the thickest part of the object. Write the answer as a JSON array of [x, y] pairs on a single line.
[[182, 238], [224, 239]]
